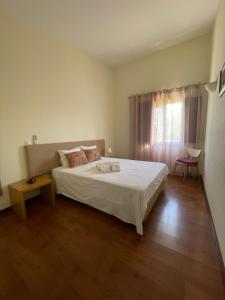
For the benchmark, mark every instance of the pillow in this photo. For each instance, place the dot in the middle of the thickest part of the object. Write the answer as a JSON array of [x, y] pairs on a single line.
[[76, 159], [92, 154], [63, 159], [88, 147]]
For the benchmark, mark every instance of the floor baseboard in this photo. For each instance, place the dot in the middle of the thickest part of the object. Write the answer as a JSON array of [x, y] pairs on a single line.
[[214, 232]]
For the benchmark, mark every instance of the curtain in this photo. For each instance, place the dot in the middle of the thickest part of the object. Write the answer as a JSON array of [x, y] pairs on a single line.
[[193, 102], [163, 124], [140, 126], [196, 104], [167, 140]]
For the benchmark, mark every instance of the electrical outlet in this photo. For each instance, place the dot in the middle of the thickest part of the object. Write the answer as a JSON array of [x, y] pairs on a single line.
[[34, 139]]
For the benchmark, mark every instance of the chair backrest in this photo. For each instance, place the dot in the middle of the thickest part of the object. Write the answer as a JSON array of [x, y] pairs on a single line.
[[194, 152]]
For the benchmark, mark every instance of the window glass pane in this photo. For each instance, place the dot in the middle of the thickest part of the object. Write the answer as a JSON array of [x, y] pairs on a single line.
[[168, 123]]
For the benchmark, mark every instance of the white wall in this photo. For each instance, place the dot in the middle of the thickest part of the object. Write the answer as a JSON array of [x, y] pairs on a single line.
[[50, 89], [215, 137], [60, 94], [183, 64]]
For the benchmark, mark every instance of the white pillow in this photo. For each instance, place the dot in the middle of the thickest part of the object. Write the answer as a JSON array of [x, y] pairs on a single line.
[[63, 159], [88, 147]]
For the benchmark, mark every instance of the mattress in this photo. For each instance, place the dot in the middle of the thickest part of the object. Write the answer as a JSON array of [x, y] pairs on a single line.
[[123, 194]]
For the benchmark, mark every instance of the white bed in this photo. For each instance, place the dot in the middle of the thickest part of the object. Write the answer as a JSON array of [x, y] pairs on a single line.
[[125, 194]]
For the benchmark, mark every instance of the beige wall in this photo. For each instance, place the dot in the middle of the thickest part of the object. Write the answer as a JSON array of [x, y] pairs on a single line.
[[215, 137], [50, 89], [185, 63]]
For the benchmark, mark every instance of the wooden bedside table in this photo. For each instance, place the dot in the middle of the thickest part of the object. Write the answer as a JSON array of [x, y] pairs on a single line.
[[17, 193]]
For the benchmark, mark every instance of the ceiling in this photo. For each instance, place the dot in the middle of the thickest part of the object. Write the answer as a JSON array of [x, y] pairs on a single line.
[[117, 31]]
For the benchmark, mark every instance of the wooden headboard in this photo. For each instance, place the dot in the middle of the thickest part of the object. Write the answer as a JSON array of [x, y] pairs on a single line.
[[42, 158]]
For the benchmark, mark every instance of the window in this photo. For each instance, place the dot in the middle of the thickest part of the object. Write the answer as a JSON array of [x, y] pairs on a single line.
[[167, 123]]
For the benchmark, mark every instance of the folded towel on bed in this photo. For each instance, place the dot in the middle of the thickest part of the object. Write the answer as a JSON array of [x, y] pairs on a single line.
[[108, 167], [104, 167], [115, 166]]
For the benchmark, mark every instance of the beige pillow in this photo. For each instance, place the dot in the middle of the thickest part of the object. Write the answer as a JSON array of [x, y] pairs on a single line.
[[88, 147]]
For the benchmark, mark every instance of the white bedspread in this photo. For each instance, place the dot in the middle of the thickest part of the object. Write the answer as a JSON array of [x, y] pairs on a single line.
[[123, 194]]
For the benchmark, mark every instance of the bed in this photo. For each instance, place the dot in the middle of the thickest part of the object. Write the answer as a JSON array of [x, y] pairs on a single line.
[[128, 195]]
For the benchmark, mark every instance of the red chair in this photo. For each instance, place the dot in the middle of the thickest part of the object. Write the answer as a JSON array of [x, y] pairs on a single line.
[[188, 162]]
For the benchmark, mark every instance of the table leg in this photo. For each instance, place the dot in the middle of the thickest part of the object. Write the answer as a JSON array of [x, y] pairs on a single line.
[[18, 203], [48, 193]]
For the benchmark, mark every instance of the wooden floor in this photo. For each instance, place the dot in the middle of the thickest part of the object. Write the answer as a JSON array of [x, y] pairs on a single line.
[[75, 252]]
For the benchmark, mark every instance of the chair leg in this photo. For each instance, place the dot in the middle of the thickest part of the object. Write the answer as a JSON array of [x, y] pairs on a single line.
[[184, 174], [198, 173], [175, 168], [187, 170]]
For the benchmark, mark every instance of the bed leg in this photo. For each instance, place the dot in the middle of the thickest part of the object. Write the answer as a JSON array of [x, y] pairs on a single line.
[[139, 229]]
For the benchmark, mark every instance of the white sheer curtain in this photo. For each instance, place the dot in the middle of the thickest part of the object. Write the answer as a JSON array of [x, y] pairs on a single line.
[[167, 139]]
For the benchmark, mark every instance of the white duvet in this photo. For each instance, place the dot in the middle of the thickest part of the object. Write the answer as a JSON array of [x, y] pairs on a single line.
[[123, 194]]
